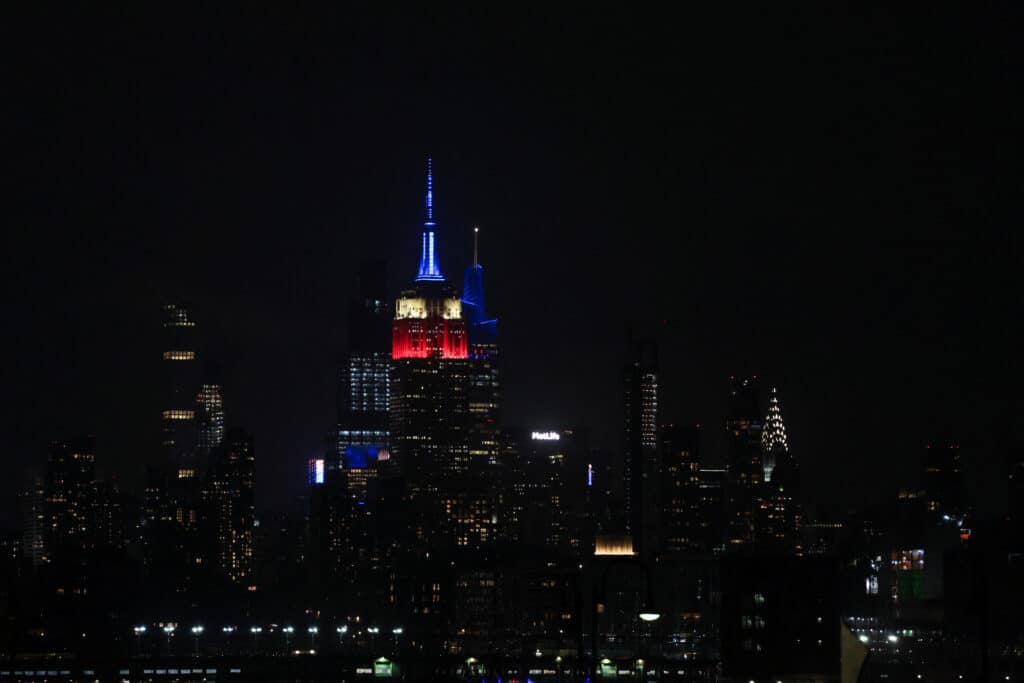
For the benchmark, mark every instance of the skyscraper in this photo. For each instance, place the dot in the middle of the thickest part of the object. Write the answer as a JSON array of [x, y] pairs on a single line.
[[743, 431], [230, 490], [209, 420], [682, 512], [780, 516], [774, 442], [430, 414], [181, 385], [364, 385], [70, 472], [640, 468]]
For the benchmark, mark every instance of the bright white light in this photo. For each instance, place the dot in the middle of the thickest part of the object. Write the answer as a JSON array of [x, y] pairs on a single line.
[[863, 638], [288, 629], [256, 629], [397, 630], [342, 629], [892, 638], [545, 436], [197, 629], [228, 629], [650, 616], [313, 629]]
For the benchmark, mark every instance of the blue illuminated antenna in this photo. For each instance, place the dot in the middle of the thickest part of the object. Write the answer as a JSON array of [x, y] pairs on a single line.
[[430, 271]]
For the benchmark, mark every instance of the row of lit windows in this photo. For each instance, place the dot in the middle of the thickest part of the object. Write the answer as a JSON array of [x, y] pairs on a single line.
[[179, 414], [179, 355]]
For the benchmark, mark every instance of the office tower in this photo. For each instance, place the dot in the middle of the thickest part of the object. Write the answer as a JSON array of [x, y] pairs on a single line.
[[430, 418], [209, 420], [774, 442], [32, 509], [780, 517], [945, 491], [681, 517], [713, 517], [743, 432], [641, 424], [70, 472], [541, 487], [364, 386], [231, 505], [485, 384], [181, 384]]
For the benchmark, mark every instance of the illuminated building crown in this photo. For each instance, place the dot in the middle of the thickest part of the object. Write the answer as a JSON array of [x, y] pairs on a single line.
[[429, 271], [773, 434]]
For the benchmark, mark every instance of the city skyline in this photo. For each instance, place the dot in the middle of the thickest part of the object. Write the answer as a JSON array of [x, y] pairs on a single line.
[[512, 344], [869, 277]]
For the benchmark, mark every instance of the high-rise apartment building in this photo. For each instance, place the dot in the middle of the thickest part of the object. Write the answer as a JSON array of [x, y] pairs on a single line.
[[70, 473], [209, 420], [681, 527], [231, 505], [640, 466]]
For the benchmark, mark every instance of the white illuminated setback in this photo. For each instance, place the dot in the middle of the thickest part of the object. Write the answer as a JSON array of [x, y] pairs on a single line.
[[545, 436]]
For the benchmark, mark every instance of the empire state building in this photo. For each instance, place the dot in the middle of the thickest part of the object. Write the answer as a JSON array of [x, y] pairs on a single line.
[[430, 417]]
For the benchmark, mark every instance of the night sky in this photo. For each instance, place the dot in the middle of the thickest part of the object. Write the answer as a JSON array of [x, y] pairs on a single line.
[[829, 201]]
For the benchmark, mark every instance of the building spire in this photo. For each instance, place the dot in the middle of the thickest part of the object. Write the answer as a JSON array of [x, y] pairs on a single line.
[[429, 270], [430, 192], [476, 246], [773, 436]]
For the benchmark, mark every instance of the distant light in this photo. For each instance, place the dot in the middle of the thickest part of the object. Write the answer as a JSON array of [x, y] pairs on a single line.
[[289, 629], [545, 436], [313, 629], [197, 629], [228, 629], [256, 629], [342, 629], [863, 638], [650, 616], [590, 474], [316, 471], [397, 630], [892, 638]]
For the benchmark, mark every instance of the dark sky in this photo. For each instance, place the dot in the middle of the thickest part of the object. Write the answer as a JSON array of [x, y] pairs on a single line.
[[827, 200]]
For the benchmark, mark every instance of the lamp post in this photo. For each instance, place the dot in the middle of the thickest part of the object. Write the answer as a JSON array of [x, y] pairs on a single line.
[[288, 631], [139, 630], [228, 631], [256, 631], [341, 630], [197, 631], [312, 630], [169, 631], [397, 631], [373, 631]]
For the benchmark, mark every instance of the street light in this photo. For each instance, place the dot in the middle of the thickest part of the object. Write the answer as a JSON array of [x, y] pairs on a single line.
[[169, 631], [196, 632], [256, 631], [139, 630], [312, 630], [288, 631]]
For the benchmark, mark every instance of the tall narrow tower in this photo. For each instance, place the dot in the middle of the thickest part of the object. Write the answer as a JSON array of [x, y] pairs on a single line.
[[430, 418], [774, 443], [641, 432]]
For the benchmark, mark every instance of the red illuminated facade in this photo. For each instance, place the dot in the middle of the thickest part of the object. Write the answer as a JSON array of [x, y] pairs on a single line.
[[433, 337]]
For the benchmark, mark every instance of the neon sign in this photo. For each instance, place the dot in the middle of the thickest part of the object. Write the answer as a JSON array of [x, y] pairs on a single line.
[[545, 436]]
